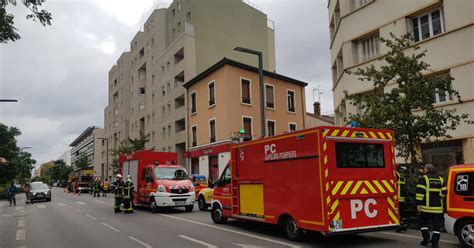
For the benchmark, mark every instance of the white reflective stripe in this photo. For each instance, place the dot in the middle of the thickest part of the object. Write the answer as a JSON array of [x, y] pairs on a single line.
[[435, 232], [424, 228]]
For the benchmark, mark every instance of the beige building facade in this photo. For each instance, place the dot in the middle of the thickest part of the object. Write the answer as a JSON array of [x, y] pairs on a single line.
[[225, 99], [146, 97], [444, 28]]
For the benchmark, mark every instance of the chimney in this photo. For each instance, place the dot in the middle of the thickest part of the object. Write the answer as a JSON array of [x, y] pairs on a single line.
[[317, 108]]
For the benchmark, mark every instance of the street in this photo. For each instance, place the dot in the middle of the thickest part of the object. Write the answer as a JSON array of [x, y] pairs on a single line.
[[83, 221]]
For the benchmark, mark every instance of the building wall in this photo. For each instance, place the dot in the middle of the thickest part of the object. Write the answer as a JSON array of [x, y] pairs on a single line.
[[450, 51], [66, 157]]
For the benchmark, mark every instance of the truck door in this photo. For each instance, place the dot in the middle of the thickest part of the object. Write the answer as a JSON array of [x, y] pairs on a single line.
[[461, 190], [362, 185], [222, 191]]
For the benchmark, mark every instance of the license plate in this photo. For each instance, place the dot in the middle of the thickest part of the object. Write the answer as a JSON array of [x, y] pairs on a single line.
[[180, 203]]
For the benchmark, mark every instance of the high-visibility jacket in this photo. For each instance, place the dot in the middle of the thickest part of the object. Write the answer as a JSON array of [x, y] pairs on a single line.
[[430, 191], [128, 190], [105, 186], [118, 189], [401, 181]]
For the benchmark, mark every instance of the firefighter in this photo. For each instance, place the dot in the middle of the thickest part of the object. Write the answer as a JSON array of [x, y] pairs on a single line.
[[105, 187], [128, 195], [96, 187], [401, 182], [430, 191], [118, 191]]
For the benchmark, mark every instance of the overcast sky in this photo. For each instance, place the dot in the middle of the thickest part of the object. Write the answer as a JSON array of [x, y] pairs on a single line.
[[59, 73]]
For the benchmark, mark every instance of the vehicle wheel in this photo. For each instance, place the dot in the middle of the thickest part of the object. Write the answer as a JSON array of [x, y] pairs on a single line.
[[153, 206], [202, 203], [217, 215], [48, 199], [465, 233], [189, 208], [292, 231]]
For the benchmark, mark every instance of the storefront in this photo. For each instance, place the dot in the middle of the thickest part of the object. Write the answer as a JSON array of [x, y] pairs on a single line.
[[209, 160]]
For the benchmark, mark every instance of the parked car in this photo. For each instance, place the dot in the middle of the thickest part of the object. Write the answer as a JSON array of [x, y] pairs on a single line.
[[205, 198], [39, 191], [199, 182], [459, 219]]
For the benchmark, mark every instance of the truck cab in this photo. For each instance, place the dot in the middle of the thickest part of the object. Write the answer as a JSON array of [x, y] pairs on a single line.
[[159, 181], [459, 218]]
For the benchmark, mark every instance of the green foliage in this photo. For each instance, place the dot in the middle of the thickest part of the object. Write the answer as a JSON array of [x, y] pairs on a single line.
[[19, 163], [55, 171], [407, 107], [7, 28], [127, 146]]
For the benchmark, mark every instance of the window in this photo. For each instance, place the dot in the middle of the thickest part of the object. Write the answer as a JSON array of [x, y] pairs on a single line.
[[247, 123], [194, 136], [440, 96], [245, 88], [193, 102], [173, 32], [270, 128], [179, 26], [212, 100], [427, 25], [173, 12], [188, 16], [291, 100], [359, 3], [359, 155], [212, 130], [169, 130], [269, 96], [163, 132], [368, 48], [142, 91], [292, 127], [464, 184]]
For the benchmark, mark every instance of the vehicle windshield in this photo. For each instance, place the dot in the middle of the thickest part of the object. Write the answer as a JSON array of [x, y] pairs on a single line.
[[170, 174], [201, 179], [39, 186]]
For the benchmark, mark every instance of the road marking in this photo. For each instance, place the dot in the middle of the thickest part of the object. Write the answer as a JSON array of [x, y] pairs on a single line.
[[60, 204], [92, 217], [20, 234], [99, 201], [197, 241], [41, 206], [21, 223], [20, 208], [111, 227], [417, 237], [81, 203], [140, 242], [21, 246], [232, 231], [78, 210], [248, 246]]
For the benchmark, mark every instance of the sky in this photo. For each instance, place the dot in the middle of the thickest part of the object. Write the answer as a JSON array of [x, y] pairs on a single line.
[[59, 73]]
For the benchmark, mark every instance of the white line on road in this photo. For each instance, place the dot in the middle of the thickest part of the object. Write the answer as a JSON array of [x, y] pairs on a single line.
[[111, 227], [232, 231], [60, 204], [99, 201], [21, 223], [197, 241], [20, 234], [140, 242], [20, 208], [40, 206], [92, 217], [81, 203], [78, 210], [417, 237]]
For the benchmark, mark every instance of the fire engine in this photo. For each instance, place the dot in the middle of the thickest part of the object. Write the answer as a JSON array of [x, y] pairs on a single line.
[[332, 180], [459, 219], [159, 182]]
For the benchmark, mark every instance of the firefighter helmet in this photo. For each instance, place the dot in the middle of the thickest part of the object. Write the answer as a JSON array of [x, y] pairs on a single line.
[[119, 176]]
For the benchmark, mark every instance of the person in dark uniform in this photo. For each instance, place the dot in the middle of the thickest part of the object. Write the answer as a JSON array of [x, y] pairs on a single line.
[[401, 182], [118, 192], [430, 191], [128, 190]]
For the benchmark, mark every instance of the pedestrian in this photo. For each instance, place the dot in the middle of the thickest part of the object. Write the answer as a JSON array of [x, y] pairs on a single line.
[[105, 187], [78, 191], [91, 186], [27, 190], [128, 195], [118, 192], [401, 182], [11, 194], [96, 187], [430, 191]]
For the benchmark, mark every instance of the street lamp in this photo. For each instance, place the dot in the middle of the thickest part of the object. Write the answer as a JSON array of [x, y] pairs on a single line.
[[107, 157], [260, 77]]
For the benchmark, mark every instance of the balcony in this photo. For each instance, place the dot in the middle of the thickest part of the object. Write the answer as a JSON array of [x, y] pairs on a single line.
[[180, 136]]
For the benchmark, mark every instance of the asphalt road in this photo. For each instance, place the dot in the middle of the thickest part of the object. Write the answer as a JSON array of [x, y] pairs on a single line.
[[85, 222]]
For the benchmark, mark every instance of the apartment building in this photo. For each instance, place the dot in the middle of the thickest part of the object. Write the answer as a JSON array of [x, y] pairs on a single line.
[[444, 28], [146, 97], [91, 143], [66, 157], [224, 103]]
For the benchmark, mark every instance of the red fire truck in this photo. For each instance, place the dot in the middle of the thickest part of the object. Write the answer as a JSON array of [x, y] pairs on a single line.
[[459, 219], [159, 182], [333, 180]]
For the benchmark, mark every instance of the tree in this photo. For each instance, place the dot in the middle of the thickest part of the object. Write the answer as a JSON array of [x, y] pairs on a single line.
[[408, 107], [127, 146], [7, 28]]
